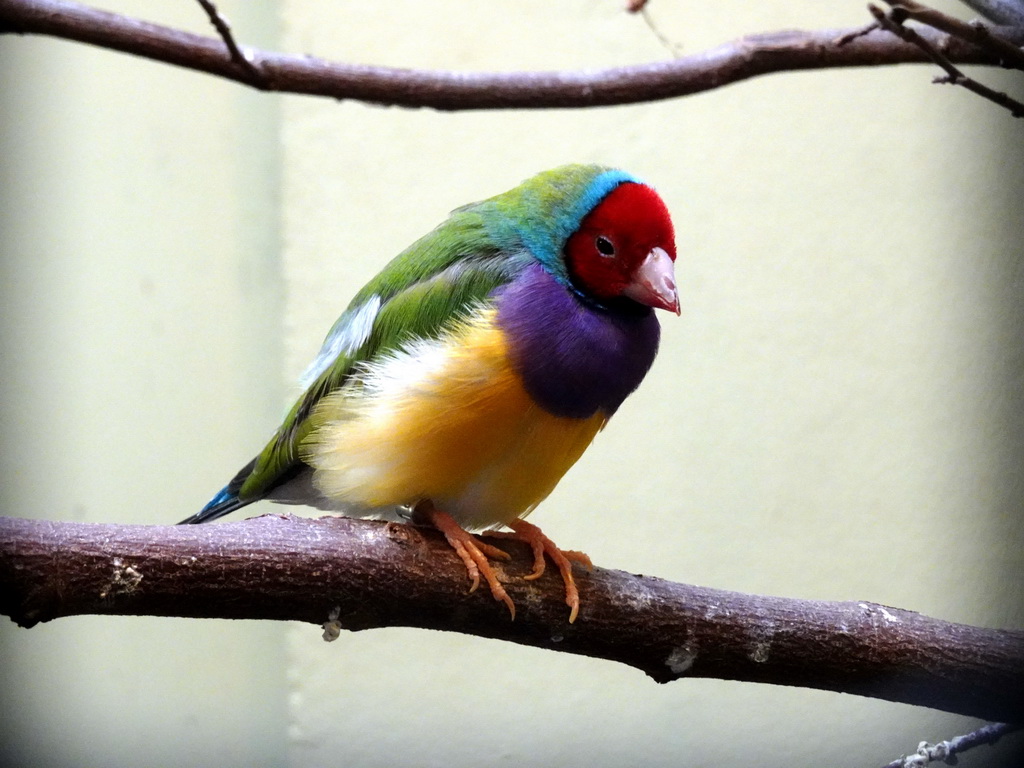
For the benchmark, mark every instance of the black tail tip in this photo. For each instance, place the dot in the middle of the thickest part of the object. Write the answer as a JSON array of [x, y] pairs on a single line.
[[224, 503]]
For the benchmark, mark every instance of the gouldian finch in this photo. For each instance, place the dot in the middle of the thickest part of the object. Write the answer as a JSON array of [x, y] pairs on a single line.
[[468, 376]]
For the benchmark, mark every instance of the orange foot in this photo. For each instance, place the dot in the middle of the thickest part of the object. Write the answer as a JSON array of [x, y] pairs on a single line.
[[474, 553], [542, 545]]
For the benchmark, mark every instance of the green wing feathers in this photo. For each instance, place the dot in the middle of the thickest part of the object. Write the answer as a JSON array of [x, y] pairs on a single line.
[[421, 293]]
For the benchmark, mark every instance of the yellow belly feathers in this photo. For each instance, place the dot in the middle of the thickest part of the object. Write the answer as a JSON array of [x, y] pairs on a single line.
[[446, 420]]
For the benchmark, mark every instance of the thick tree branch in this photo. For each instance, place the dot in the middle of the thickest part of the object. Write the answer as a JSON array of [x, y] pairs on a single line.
[[368, 574], [1000, 11], [745, 58]]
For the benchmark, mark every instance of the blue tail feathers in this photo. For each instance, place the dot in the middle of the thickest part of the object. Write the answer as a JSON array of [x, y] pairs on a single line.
[[225, 502]]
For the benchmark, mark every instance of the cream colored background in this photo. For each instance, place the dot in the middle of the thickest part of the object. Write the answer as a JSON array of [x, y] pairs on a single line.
[[837, 414]]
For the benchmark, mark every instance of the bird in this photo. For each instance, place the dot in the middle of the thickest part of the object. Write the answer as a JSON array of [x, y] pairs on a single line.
[[466, 378]]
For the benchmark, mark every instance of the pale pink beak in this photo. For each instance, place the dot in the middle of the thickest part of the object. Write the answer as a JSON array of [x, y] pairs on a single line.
[[654, 282]]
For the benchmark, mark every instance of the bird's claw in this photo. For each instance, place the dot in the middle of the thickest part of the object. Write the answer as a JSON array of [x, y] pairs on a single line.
[[471, 551]]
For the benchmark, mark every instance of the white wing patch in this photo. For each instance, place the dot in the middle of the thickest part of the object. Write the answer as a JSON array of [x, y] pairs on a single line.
[[344, 339]]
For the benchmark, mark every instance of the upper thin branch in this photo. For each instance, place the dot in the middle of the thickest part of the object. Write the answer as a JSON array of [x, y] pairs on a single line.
[[975, 32], [745, 58], [224, 30], [359, 574], [1007, 54]]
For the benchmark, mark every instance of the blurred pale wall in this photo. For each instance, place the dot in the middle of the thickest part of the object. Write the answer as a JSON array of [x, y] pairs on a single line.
[[837, 414], [141, 306]]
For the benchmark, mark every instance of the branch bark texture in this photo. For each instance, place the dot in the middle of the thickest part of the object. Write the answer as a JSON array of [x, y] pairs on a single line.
[[442, 90], [371, 574]]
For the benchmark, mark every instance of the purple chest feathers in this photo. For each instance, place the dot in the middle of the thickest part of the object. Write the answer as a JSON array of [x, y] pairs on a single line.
[[574, 359]]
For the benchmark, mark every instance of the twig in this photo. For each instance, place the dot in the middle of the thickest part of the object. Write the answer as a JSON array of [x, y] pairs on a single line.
[[730, 63], [975, 32], [670, 46], [849, 37], [359, 574], [946, 751], [220, 23], [892, 23]]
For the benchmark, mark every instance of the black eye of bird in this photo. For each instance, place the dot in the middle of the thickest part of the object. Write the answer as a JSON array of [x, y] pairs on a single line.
[[604, 246]]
